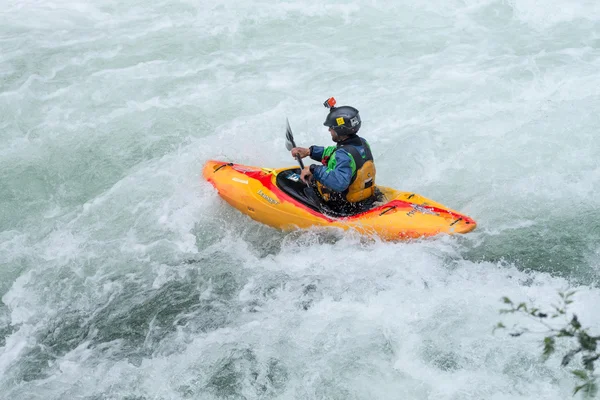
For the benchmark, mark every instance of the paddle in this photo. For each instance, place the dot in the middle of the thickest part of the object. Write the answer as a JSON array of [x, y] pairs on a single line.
[[289, 142]]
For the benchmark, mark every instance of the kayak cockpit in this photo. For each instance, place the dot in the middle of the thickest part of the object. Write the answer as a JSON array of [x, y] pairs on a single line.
[[289, 182]]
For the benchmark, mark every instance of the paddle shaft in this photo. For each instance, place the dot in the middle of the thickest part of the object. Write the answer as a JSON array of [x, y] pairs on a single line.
[[299, 158], [290, 144]]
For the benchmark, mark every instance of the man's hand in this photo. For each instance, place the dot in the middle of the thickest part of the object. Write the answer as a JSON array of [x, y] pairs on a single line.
[[300, 151], [305, 175]]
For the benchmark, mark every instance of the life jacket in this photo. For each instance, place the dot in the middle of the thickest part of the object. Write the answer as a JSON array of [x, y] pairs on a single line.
[[362, 185]]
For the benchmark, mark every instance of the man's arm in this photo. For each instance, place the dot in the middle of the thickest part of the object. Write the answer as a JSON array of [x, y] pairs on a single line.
[[337, 179], [316, 152]]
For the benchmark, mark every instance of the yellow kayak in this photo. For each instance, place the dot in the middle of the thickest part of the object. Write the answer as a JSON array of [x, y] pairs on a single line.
[[278, 198]]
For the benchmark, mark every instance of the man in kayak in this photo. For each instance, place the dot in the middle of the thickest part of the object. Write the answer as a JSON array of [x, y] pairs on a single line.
[[346, 178]]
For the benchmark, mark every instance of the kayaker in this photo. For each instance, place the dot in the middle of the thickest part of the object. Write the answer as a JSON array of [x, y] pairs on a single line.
[[346, 178]]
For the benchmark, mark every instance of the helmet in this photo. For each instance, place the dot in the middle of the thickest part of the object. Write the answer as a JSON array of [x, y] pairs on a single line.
[[344, 120]]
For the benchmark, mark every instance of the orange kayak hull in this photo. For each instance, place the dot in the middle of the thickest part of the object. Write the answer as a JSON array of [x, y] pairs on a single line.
[[401, 215]]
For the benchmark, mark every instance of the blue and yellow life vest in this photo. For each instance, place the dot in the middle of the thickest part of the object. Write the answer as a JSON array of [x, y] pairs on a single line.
[[362, 185]]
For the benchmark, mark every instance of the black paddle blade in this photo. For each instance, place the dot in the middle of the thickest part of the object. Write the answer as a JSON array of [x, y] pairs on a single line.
[[289, 141], [289, 137]]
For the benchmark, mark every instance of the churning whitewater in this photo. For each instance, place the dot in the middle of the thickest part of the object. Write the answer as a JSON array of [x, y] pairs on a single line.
[[123, 274]]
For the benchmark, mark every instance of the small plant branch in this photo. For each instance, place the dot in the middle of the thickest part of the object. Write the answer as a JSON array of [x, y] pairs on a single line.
[[572, 329]]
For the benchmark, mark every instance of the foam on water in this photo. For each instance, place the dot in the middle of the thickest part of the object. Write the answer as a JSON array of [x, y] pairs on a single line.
[[123, 275]]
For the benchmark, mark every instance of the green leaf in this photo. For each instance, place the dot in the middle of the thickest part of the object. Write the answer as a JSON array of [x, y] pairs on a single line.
[[586, 341], [499, 325], [589, 389], [575, 322], [522, 306], [581, 374], [588, 362], [548, 346], [559, 310], [563, 332], [506, 300], [567, 358]]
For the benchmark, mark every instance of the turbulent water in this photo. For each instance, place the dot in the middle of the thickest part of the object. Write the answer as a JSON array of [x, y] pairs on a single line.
[[123, 275]]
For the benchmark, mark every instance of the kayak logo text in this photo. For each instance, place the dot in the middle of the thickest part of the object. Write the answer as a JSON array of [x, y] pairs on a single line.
[[421, 209], [267, 198]]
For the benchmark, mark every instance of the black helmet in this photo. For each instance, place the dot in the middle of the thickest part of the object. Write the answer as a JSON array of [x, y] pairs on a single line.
[[344, 120]]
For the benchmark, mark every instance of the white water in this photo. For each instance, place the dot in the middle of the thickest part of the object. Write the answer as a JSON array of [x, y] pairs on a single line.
[[123, 275]]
